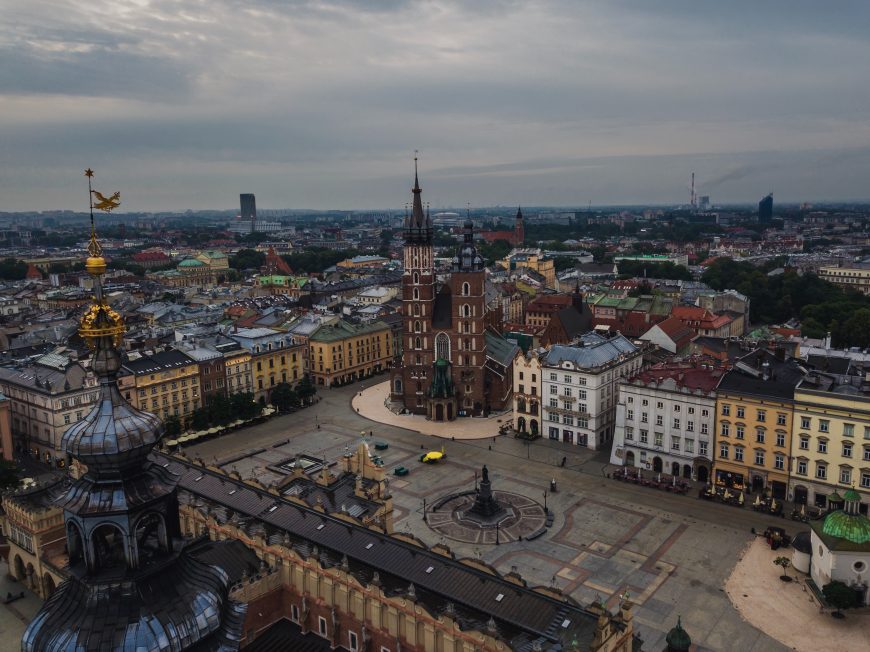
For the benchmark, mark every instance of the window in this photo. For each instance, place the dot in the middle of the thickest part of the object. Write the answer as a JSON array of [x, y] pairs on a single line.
[[705, 413], [805, 443], [723, 451], [554, 377], [726, 430], [66, 419], [741, 412], [761, 416], [805, 423], [352, 641], [802, 467], [702, 448], [658, 441], [629, 415], [554, 402], [867, 453], [644, 436], [780, 419], [738, 453], [848, 430], [726, 410], [553, 389], [629, 433], [779, 461], [644, 417], [566, 378], [676, 408], [321, 624], [845, 476], [660, 405], [866, 432], [690, 446], [759, 436], [566, 405], [823, 445], [824, 424], [644, 402], [659, 420], [676, 424], [865, 479], [759, 458], [675, 443], [294, 613], [690, 426], [466, 289], [739, 432], [691, 410], [704, 429]]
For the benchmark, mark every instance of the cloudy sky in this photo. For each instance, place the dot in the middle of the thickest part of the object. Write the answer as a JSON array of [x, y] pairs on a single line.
[[321, 104]]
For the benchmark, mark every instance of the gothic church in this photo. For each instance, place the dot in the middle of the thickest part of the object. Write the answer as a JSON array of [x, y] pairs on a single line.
[[451, 364]]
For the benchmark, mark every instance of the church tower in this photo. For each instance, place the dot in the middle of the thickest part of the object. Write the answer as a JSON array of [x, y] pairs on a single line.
[[132, 583], [519, 229], [418, 302]]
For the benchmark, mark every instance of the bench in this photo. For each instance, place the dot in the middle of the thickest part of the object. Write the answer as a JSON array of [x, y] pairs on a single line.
[[536, 533], [400, 470]]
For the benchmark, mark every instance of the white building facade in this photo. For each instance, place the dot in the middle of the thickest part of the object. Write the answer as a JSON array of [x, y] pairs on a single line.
[[665, 420], [579, 387]]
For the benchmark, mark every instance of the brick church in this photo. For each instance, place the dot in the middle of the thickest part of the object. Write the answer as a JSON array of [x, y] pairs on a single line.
[[452, 364]]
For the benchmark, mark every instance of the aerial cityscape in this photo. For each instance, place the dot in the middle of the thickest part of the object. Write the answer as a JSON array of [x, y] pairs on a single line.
[[434, 327]]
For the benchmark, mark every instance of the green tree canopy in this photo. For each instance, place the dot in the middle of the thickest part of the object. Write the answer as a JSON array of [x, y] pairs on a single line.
[[12, 269], [247, 259]]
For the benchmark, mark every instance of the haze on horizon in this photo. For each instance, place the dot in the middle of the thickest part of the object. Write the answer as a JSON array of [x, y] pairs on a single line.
[[320, 103]]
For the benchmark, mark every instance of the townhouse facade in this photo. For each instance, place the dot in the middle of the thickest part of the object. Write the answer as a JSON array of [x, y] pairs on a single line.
[[343, 352], [45, 398], [578, 388], [666, 418], [165, 383], [831, 440], [276, 357], [754, 415]]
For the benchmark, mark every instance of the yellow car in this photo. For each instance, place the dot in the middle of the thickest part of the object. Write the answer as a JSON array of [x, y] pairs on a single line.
[[433, 456]]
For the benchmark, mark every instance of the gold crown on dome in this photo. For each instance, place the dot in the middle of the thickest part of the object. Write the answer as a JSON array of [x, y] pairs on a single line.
[[100, 320]]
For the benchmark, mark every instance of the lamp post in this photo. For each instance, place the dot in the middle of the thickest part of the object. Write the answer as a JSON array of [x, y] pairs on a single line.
[[424, 510], [545, 502], [496, 534]]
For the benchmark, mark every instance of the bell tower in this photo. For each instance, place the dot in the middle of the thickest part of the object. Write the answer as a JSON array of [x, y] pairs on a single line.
[[412, 382], [519, 229]]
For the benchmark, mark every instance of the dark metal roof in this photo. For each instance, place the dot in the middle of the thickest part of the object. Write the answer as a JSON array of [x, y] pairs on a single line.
[[286, 635], [521, 615], [749, 376]]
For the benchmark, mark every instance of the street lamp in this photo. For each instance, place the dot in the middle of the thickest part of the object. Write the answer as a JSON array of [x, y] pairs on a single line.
[[424, 510], [496, 534], [545, 502]]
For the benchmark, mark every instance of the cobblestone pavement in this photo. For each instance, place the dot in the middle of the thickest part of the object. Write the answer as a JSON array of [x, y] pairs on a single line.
[[672, 553]]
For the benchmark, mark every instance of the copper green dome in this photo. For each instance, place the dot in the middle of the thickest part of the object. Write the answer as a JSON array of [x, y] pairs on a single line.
[[852, 527], [851, 495], [678, 639], [191, 262]]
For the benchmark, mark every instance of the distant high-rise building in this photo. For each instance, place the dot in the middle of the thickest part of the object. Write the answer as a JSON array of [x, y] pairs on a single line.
[[704, 202], [249, 207], [765, 209]]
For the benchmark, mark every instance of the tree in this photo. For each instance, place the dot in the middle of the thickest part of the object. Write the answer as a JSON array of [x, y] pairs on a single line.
[[284, 397], [306, 389], [199, 419], [243, 405], [12, 269], [247, 259], [784, 563], [172, 426], [840, 596], [9, 475]]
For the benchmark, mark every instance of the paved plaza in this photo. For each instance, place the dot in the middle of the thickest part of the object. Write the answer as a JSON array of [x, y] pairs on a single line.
[[671, 553]]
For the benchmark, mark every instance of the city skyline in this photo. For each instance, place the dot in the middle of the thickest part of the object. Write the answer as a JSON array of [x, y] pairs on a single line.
[[320, 105]]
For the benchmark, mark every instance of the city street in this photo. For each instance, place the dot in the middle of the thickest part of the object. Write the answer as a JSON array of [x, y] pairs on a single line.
[[671, 553]]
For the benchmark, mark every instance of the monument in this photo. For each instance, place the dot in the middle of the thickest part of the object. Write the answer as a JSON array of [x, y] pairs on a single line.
[[485, 508]]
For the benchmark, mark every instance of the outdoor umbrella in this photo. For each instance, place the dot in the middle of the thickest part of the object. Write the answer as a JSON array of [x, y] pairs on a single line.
[[757, 501], [740, 500]]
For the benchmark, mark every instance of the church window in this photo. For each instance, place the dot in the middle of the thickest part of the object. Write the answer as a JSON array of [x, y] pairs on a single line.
[[417, 343], [416, 294], [442, 346], [465, 328], [417, 327], [467, 343], [466, 289], [466, 310], [416, 278], [416, 309]]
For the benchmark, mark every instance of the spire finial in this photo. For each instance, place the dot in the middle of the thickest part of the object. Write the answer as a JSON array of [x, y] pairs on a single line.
[[416, 181]]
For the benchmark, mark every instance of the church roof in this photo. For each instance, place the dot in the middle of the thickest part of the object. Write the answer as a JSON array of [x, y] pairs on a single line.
[[499, 349]]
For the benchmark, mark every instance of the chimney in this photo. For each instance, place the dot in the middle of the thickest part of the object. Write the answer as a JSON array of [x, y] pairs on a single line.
[[765, 371]]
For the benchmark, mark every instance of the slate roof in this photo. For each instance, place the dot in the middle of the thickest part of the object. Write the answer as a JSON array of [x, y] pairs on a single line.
[[746, 377], [149, 364], [522, 616], [499, 349], [592, 350], [286, 635]]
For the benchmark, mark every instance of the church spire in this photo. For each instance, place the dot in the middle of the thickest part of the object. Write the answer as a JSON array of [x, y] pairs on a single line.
[[418, 227]]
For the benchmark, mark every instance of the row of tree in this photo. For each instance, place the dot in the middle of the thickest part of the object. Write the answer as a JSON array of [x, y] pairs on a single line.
[[822, 307]]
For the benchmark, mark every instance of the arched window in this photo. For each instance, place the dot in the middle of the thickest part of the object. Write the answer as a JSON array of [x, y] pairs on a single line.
[[442, 347], [521, 405], [75, 549], [416, 294], [416, 309], [417, 343], [467, 343], [107, 542], [150, 537], [397, 386], [419, 359], [416, 278], [466, 289], [465, 327], [466, 310]]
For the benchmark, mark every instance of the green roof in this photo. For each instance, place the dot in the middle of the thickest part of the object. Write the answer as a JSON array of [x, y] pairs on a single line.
[[852, 495], [854, 528], [678, 639], [191, 262], [343, 330]]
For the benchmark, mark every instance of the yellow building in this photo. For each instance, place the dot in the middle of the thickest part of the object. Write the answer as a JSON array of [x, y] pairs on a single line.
[[276, 357], [343, 352], [856, 278], [830, 440], [165, 383], [754, 412], [206, 268], [34, 530], [531, 259]]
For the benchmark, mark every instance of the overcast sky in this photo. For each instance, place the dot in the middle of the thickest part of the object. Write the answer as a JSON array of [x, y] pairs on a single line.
[[320, 104]]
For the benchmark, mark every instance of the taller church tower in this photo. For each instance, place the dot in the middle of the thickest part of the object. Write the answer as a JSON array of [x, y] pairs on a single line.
[[418, 302]]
